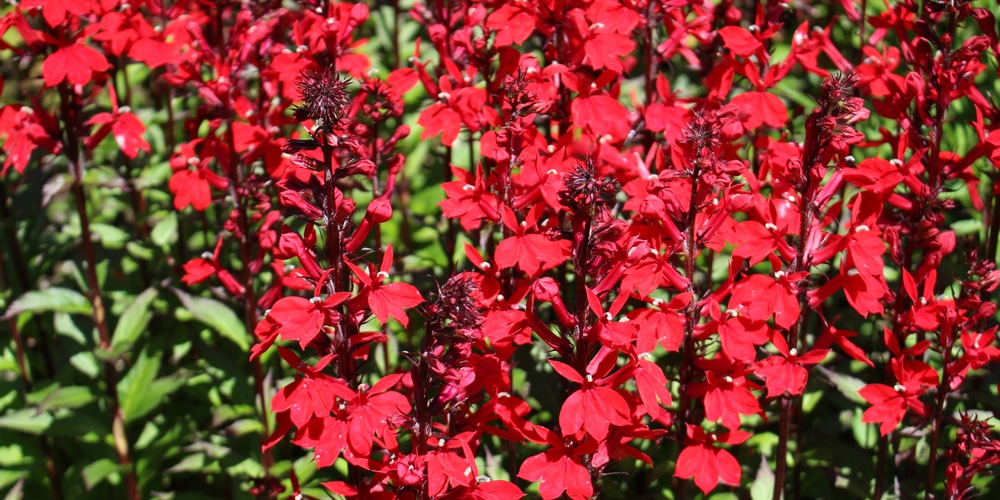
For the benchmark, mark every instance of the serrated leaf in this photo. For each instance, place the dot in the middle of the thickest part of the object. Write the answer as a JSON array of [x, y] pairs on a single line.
[[26, 420], [218, 316], [97, 472], [52, 299], [164, 234], [67, 397], [134, 320], [134, 394]]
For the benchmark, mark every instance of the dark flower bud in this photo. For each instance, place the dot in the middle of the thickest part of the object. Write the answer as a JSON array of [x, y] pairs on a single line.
[[586, 191], [324, 98], [457, 303]]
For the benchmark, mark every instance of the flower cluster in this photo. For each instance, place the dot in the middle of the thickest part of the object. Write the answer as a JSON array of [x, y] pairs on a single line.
[[489, 249]]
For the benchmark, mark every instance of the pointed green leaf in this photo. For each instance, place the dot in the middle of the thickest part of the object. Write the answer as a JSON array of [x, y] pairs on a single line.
[[134, 394], [53, 299], [111, 237], [218, 316], [164, 234], [190, 463], [18, 477], [26, 420], [98, 471], [67, 397], [134, 320], [139, 251], [763, 484], [846, 384]]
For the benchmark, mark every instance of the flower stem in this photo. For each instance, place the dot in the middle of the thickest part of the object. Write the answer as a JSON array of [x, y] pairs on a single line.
[[72, 124]]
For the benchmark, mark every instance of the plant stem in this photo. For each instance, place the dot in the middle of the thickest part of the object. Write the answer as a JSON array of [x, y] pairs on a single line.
[[580, 345], [939, 404], [21, 272], [237, 180], [686, 370], [811, 153], [72, 121], [421, 400], [25, 374]]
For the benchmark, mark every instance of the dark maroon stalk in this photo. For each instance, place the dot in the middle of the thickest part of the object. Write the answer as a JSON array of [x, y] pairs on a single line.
[[686, 370], [397, 60], [580, 345], [649, 53], [937, 180], [73, 121], [812, 151], [994, 233], [15, 332], [421, 401], [338, 281], [25, 374], [939, 404], [21, 272], [861, 29], [236, 181]]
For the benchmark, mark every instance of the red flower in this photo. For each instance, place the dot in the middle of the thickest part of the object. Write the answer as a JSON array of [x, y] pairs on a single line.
[[76, 64], [387, 300], [529, 252], [560, 468], [192, 181], [889, 404], [705, 462], [303, 319], [786, 375], [594, 407]]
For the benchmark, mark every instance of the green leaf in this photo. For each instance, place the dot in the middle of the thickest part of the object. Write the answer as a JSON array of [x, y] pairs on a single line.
[[52, 299], [134, 320], [111, 237], [846, 384], [218, 316], [26, 420], [865, 434], [966, 227], [17, 492], [134, 394], [98, 471], [65, 326], [67, 397], [190, 463], [164, 234], [86, 363], [139, 251], [763, 484], [156, 393]]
